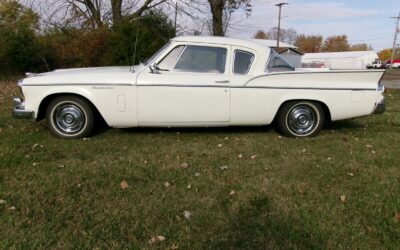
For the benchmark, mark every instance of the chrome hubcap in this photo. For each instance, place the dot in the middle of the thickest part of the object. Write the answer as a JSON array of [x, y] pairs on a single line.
[[69, 118], [301, 120]]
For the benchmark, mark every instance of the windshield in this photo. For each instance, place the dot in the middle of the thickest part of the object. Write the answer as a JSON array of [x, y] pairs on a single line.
[[277, 63], [155, 55]]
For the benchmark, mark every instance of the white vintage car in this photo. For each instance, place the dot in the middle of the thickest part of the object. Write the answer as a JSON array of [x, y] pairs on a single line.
[[200, 81]]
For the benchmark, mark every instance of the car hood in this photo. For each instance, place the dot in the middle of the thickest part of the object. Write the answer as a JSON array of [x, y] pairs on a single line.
[[99, 75]]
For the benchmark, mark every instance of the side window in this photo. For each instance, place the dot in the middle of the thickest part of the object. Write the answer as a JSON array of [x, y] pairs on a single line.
[[169, 60], [277, 64], [202, 59], [243, 61]]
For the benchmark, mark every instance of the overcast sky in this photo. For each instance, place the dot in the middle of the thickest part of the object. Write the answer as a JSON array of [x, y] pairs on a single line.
[[363, 21]]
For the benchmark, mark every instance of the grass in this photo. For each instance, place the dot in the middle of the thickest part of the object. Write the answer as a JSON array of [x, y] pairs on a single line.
[[67, 194], [392, 75]]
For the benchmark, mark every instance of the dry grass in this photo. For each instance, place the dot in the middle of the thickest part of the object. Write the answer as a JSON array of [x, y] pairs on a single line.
[[67, 194]]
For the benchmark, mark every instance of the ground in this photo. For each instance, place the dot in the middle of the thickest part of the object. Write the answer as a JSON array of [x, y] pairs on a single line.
[[242, 188]]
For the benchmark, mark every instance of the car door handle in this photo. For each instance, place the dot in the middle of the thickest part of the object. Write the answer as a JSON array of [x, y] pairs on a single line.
[[222, 81]]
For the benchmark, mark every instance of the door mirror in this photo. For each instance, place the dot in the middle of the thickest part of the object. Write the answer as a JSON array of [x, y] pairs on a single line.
[[155, 69]]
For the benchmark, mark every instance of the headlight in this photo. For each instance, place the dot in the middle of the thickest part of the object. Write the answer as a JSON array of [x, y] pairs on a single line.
[[19, 83]]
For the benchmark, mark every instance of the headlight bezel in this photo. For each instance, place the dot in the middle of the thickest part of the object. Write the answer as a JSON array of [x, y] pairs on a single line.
[[20, 84]]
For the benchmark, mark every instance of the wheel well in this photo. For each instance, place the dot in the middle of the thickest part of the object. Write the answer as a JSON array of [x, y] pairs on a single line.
[[46, 101], [323, 105]]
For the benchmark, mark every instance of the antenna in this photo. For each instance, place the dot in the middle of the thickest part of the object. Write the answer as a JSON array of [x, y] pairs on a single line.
[[134, 53]]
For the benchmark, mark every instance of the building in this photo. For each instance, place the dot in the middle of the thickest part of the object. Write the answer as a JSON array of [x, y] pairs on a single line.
[[339, 60], [287, 51]]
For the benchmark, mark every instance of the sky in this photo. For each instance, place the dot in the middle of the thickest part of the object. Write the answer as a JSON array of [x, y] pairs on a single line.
[[363, 21]]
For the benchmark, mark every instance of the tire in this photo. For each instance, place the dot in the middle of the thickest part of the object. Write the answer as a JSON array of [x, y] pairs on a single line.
[[70, 117], [300, 119]]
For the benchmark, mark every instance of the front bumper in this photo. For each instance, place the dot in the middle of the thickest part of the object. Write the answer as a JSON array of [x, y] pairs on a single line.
[[379, 107], [19, 111]]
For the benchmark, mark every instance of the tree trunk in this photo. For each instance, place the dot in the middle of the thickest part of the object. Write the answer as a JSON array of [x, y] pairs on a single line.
[[217, 8], [94, 12], [116, 9]]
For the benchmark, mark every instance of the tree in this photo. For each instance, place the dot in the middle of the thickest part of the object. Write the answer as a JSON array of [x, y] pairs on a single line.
[[222, 9], [360, 47], [288, 36], [98, 13], [309, 44], [260, 35], [18, 45], [385, 54], [336, 44]]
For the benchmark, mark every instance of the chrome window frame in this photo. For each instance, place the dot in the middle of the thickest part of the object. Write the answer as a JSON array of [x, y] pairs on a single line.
[[234, 58]]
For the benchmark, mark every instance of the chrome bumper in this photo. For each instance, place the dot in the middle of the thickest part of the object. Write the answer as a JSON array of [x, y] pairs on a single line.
[[379, 107], [19, 111]]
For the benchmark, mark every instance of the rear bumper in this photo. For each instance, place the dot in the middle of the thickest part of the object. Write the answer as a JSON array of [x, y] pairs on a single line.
[[379, 107], [19, 111]]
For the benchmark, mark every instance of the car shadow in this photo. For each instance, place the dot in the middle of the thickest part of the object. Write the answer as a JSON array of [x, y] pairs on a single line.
[[198, 130]]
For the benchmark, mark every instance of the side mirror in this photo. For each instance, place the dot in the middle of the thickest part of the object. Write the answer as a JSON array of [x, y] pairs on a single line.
[[154, 69]]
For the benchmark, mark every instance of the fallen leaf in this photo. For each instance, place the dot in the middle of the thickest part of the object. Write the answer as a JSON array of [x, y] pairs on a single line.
[[197, 174], [35, 146], [124, 185], [189, 186], [187, 214], [174, 247], [373, 151], [156, 239], [232, 192], [368, 146], [329, 158], [253, 157], [226, 138], [304, 150], [86, 139], [224, 168], [184, 165], [343, 198], [397, 217], [35, 164], [219, 145], [279, 137], [240, 156], [11, 208], [61, 166], [167, 184], [350, 174], [2, 202]]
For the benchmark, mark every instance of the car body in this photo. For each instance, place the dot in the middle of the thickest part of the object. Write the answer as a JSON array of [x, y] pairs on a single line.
[[200, 81], [392, 64], [377, 64]]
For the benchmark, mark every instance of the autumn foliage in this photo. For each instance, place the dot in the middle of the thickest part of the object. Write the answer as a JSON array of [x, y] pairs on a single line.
[[26, 48]]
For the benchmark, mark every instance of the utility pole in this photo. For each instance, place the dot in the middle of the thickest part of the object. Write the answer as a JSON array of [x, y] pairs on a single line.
[[176, 15], [279, 22], [395, 39]]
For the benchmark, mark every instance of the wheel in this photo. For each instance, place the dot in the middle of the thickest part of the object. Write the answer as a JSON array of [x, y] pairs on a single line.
[[300, 119], [70, 117]]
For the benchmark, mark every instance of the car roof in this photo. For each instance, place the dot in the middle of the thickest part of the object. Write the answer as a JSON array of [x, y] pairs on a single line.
[[222, 40]]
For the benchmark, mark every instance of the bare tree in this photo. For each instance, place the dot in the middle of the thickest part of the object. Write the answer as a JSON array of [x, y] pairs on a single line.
[[221, 11]]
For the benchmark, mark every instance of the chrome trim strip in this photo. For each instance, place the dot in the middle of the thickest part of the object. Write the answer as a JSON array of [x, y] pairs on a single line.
[[249, 87], [314, 72], [81, 84]]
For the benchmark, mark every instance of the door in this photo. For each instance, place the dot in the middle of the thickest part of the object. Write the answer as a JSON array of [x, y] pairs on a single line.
[[190, 85]]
